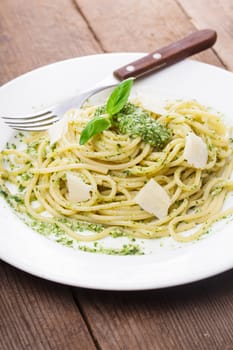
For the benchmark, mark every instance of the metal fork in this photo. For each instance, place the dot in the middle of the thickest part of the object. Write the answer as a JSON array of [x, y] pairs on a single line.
[[168, 55], [44, 119]]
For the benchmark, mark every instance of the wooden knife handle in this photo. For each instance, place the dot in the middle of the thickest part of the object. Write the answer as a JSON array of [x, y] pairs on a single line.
[[175, 52]]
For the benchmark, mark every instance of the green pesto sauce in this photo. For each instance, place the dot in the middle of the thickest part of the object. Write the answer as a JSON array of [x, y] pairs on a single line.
[[126, 249], [136, 122], [47, 229], [52, 230]]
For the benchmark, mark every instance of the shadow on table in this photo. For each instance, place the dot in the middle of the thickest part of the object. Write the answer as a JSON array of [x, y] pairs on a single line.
[[221, 284]]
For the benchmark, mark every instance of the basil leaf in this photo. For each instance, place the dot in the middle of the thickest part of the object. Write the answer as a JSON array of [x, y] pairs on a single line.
[[119, 97], [95, 126], [115, 103]]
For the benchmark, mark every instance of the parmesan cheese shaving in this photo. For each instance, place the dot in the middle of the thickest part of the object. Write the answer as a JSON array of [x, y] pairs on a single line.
[[195, 151], [57, 130], [60, 128], [153, 199], [78, 190]]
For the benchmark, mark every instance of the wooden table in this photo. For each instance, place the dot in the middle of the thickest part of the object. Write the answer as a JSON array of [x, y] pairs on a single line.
[[36, 314]]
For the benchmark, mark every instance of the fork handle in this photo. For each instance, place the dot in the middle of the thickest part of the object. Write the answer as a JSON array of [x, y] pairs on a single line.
[[173, 53]]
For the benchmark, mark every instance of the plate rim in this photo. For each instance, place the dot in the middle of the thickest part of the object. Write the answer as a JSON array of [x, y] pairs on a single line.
[[108, 286]]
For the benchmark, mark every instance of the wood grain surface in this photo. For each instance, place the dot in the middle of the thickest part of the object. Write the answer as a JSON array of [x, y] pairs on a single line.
[[37, 314], [141, 26], [38, 32], [197, 316], [215, 14]]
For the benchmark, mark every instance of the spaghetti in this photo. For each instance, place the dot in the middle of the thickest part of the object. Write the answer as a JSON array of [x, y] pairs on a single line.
[[117, 167]]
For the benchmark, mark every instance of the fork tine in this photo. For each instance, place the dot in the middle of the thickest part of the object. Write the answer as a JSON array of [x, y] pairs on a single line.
[[35, 122], [33, 126], [33, 129], [28, 127], [31, 117]]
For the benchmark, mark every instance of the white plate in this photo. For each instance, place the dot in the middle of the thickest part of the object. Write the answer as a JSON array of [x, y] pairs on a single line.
[[167, 265]]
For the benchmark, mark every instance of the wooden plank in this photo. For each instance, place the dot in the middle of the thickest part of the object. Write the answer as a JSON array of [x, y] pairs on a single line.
[[36, 314], [35, 33], [191, 317], [196, 316], [140, 26], [217, 15], [40, 315]]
